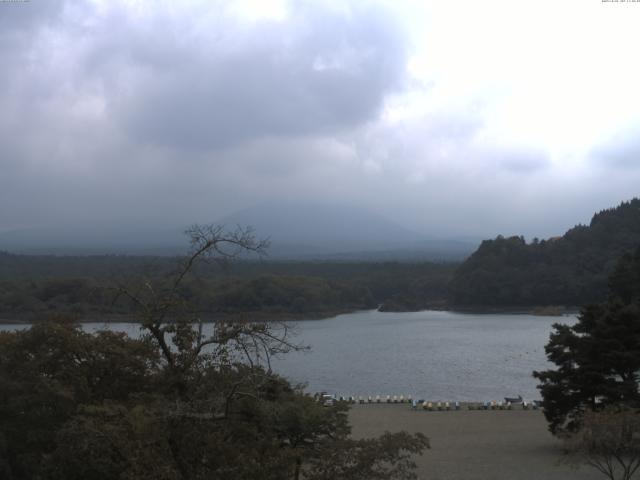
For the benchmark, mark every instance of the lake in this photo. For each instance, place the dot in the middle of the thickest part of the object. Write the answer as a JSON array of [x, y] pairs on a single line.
[[429, 354]]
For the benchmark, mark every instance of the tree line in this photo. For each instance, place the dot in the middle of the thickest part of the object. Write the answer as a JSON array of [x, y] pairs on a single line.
[[569, 270], [32, 287]]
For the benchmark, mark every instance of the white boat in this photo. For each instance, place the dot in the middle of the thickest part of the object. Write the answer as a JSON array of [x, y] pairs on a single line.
[[513, 400]]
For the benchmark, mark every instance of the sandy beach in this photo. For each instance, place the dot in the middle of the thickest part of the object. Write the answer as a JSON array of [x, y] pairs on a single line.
[[475, 444]]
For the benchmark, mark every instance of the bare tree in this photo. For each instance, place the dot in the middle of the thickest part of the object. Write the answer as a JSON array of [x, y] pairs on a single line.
[[609, 441], [177, 328]]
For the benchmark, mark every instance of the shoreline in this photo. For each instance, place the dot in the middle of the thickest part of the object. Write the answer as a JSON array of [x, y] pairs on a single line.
[[257, 317], [310, 316], [535, 310]]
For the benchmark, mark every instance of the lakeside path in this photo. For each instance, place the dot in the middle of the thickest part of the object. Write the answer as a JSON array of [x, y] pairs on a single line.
[[474, 444]]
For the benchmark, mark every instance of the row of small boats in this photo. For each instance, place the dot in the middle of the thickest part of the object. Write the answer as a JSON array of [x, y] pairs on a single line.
[[509, 403], [377, 399], [493, 405]]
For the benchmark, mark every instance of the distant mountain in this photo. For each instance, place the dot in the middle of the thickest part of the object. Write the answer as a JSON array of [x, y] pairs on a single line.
[[568, 270], [321, 227], [321, 232], [296, 231]]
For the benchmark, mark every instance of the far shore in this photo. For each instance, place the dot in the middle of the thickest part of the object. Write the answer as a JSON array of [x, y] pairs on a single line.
[[539, 311], [475, 444], [206, 318], [299, 317]]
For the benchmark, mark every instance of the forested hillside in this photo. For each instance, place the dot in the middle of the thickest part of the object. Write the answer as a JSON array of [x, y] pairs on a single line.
[[567, 270], [33, 286]]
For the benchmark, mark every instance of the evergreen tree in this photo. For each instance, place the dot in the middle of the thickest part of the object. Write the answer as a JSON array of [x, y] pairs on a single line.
[[598, 358]]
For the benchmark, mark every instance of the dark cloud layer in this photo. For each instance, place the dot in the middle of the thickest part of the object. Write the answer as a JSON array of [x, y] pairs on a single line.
[[316, 72], [167, 112], [330, 75]]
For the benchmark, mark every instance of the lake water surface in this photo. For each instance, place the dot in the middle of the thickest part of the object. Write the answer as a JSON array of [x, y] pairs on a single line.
[[430, 354]]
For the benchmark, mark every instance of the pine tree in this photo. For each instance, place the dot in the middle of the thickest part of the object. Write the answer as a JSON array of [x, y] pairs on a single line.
[[598, 358]]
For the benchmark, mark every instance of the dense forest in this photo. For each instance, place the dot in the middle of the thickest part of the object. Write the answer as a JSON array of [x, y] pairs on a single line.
[[33, 286], [569, 270]]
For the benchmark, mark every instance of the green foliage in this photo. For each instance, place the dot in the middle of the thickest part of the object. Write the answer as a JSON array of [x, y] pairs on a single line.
[[81, 406], [385, 458], [567, 270], [270, 293], [598, 358], [33, 287], [46, 372], [174, 404]]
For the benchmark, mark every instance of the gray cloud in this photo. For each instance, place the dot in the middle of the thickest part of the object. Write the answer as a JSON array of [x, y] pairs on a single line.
[[317, 73], [162, 115], [101, 106], [21, 16], [523, 161], [622, 152]]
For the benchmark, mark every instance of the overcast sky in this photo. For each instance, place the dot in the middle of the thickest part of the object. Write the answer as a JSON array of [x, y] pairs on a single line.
[[452, 117]]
